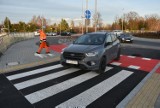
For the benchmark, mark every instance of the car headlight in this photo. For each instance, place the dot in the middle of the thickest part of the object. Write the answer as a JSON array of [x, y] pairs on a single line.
[[122, 38], [91, 54], [62, 51]]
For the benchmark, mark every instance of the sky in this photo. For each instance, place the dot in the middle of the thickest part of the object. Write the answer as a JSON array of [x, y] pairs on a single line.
[[55, 10]]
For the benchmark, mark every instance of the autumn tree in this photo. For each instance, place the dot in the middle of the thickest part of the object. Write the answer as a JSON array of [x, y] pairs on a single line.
[[97, 20], [153, 22], [132, 20], [7, 24], [63, 25]]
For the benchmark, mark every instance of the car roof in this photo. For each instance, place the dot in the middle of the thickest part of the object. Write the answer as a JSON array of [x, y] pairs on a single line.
[[102, 33]]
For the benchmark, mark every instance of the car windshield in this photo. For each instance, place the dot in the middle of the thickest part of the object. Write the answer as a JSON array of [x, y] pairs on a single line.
[[90, 39], [125, 35]]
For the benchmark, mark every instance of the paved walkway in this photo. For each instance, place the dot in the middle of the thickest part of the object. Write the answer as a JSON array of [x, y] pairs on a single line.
[[21, 55]]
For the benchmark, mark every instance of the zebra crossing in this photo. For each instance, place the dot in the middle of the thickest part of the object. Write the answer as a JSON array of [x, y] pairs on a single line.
[[59, 87]]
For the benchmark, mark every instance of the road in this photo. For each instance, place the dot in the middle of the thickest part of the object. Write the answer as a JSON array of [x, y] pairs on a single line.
[[52, 85]]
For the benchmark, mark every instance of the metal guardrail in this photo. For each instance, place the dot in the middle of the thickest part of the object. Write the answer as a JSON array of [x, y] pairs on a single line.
[[8, 39]]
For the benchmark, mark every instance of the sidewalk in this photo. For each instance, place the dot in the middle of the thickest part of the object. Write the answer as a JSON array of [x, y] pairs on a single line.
[[21, 55]]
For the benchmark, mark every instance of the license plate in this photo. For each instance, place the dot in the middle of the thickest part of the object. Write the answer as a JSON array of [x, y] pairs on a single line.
[[127, 40], [71, 61]]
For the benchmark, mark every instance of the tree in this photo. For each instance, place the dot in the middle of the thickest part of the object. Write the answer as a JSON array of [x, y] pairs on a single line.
[[7, 24], [64, 25], [115, 25], [132, 19], [97, 20], [72, 26], [39, 21], [152, 22]]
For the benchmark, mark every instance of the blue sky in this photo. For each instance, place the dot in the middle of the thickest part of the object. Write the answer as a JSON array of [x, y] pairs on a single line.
[[54, 10]]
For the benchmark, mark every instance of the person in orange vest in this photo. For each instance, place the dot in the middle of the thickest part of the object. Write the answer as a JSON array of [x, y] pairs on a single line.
[[43, 42]]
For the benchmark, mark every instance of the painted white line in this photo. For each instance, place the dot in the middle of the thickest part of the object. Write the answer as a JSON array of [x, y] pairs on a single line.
[[39, 55], [12, 63], [39, 80], [52, 90], [146, 58], [133, 67], [90, 95], [116, 63], [131, 56], [20, 75], [51, 55]]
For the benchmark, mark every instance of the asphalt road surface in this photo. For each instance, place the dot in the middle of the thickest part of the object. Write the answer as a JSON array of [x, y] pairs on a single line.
[[52, 86]]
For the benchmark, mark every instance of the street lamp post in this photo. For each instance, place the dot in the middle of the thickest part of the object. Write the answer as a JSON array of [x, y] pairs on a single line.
[[82, 16], [96, 15], [86, 18], [122, 19]]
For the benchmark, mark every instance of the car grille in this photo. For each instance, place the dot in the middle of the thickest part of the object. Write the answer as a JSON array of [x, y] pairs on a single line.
[[73, 56]]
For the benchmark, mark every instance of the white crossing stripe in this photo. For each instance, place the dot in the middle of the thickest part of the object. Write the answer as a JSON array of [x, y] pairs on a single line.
[[146, 58], [132, 56], [40, 55], [39, 80], [52, 90], [90, 95], [116, 63], [20, 75], [133, 67]]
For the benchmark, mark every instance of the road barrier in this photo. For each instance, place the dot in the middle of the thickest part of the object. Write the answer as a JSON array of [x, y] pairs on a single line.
[[6, 40]]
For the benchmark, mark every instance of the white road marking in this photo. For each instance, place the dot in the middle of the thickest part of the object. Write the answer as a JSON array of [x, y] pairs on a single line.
[[12, 63], [33, 72], [90, 95], [38, 55], [146, 58], [52, 90], [131, 56], [51, 55], [116, 63], [39, 80], [133, 67]]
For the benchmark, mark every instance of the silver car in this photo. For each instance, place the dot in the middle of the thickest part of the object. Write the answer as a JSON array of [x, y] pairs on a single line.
[[92, 51]]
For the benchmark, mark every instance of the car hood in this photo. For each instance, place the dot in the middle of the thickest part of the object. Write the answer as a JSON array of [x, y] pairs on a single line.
[[82, 48]]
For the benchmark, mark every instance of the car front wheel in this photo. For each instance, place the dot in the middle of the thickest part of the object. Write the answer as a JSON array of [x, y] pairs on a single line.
[[102, 65]]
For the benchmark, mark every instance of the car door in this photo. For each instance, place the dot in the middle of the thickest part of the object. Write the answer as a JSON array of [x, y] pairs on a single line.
[[108, 48], [115, 45]]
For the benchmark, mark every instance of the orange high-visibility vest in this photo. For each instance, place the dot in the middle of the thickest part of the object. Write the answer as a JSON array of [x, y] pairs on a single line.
[[42, 35]]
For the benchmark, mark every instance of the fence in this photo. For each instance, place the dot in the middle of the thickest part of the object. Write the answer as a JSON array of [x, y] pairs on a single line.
[[8, 39]]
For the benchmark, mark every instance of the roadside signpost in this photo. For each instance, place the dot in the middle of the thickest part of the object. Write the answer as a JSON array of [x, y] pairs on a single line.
[[87, 20], [87, 14]]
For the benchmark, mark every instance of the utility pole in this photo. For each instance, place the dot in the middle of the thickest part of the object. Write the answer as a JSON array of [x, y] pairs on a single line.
[[86, 18], [122, 19], [42, 22], [96, 15], [82, 17]]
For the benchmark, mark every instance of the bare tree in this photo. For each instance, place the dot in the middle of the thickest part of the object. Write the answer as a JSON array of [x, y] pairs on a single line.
[[132, 19], [72, 24], [97, 20], [153, 22]]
